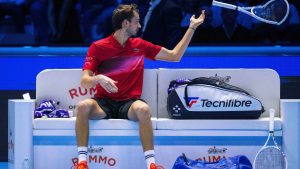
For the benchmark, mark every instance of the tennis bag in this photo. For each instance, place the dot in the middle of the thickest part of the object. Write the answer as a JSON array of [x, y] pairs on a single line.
[[210, 98], [237, 162], [50, 109]]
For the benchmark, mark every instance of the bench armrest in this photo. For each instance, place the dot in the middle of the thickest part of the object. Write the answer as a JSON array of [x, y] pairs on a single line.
[[290, 114], [20, 116]]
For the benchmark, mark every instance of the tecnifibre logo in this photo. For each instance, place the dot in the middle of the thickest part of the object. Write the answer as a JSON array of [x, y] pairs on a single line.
[[225, 103], [206, 103], [192, 100]]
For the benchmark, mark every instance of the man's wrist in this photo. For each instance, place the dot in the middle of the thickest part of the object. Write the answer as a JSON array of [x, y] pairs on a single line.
[[95, 80], [190, 27]]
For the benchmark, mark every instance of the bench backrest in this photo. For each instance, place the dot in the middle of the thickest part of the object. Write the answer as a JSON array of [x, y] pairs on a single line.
[[261, 83], [63, 85]]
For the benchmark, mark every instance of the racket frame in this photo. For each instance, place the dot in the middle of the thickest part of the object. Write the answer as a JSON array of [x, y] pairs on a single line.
[[249, 10], [271, 134]]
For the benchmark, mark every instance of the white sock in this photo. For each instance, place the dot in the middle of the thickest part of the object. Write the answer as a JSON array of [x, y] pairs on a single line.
[[82, 154], [150, 157]]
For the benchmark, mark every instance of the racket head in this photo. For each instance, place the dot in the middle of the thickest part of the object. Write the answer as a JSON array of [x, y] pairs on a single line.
[[270, 157], [273, 12]]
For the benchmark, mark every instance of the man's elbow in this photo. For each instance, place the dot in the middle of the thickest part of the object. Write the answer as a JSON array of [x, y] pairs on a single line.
[[176, 60], [176, 57]]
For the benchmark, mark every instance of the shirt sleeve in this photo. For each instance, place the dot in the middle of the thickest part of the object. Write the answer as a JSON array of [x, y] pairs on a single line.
[[91, 62], [150, 49]]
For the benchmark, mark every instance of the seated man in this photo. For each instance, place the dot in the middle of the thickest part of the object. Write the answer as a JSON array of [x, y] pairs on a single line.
[[115, 65]]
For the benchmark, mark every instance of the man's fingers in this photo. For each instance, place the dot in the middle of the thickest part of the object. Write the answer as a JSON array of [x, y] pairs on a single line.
[[108, 84], [107, 90], [112, 87], [202, 13]]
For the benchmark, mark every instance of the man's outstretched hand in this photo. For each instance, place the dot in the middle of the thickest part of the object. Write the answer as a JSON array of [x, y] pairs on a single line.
[[195, 22]]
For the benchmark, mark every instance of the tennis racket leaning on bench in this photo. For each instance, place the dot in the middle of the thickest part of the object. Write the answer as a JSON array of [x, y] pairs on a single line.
[[270, 156], [272, 12]]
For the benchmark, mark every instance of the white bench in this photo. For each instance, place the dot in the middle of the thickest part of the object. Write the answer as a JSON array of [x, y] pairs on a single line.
[[51, 143]]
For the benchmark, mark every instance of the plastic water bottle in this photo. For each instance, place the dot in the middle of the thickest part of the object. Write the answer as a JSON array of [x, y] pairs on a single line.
[[71, 113]]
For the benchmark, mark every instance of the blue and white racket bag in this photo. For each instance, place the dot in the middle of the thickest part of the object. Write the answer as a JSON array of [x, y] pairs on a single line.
[[209, 98]]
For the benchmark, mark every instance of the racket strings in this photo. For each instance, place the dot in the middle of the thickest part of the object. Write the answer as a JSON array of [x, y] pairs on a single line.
[[270, 158], [272, 11]]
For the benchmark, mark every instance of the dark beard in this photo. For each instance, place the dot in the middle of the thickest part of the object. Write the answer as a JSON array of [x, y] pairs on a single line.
[[137, 34]]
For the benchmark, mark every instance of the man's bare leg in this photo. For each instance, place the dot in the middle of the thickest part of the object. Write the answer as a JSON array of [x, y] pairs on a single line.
[[85, 110], [140, 111]]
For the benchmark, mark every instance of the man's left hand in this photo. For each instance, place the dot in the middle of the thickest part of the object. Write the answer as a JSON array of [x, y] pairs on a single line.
[[195, 22]]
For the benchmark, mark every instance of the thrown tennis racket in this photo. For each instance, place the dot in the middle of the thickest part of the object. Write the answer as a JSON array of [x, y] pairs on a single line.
[[272, 12], [270, 155]]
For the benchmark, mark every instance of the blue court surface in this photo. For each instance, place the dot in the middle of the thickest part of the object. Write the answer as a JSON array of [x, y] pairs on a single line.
[[3, 165]]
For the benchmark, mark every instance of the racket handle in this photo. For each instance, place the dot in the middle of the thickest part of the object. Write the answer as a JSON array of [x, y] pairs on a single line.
[[224, 5], [272, 114]]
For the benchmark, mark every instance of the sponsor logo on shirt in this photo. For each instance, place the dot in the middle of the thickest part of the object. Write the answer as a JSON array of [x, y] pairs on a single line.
[[89, 58]]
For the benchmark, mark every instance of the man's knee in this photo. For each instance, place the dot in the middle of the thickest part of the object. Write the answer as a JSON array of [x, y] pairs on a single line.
[[83, 108], [143, 113]]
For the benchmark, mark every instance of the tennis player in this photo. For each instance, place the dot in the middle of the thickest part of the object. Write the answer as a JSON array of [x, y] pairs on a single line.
[[115, 65]]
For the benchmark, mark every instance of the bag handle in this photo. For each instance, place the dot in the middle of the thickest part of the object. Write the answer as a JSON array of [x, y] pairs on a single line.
[[212, 82], [217, 83]]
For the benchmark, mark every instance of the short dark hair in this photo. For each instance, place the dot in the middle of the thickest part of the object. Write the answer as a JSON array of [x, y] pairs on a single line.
[[121, 13]]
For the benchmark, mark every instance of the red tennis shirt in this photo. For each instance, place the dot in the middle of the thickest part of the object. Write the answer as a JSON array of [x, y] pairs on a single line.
[[122, 64]]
